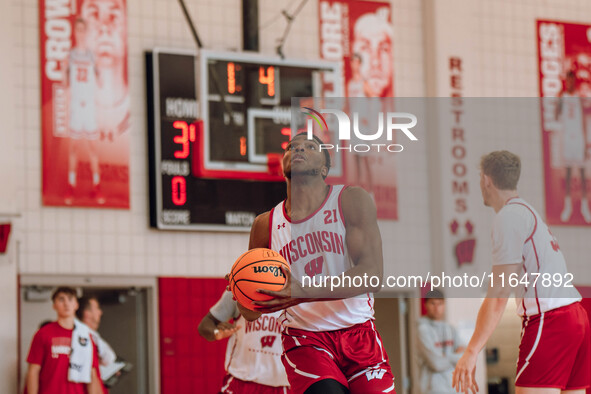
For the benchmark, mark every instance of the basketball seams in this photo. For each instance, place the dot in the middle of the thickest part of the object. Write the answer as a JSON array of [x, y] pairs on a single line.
[[239, 289], [257, 257], [237, 286], [260, 281]]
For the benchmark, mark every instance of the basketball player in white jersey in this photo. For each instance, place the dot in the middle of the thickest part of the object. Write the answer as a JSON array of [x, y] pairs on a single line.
[[330, 342], [555, 349], [253, 356], [574, 144], [107, 39], [81, 77]]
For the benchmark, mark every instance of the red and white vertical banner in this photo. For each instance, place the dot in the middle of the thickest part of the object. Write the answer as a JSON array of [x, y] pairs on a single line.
[[453, 137], [85, 103], [564, 63], [359, 36]]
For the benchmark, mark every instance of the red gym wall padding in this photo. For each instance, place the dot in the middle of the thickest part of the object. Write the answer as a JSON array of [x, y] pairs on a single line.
[[189, 364]]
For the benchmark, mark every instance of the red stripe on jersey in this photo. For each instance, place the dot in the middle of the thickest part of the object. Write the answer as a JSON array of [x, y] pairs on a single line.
[[512, 198], [231, 356], [312, 214], [271, 226], [369, 302], [531, 238], [535, 221], [285, 215], [523, 299], [535, 287], [341, 206]]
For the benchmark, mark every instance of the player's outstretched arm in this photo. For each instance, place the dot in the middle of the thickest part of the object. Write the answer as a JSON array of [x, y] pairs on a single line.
[[489, 315], [212, 329]]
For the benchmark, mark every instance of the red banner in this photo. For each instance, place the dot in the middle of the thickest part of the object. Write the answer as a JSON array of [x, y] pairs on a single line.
[[358, 34], [84, 103], [564, 59]]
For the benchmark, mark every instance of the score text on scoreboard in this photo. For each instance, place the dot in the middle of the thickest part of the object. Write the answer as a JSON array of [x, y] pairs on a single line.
[[254, 117]]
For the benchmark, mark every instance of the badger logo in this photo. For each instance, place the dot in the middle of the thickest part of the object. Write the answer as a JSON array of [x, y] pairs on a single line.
[[267, 341]]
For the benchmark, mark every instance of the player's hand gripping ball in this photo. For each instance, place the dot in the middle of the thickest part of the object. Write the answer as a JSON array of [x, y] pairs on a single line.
[[256, 269]]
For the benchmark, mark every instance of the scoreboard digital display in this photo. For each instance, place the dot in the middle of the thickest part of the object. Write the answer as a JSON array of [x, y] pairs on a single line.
[[258, 92], [207, 171]]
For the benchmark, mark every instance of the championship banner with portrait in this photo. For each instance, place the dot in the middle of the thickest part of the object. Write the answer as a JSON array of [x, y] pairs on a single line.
[[85, 103], [564, 58], [359, 35]]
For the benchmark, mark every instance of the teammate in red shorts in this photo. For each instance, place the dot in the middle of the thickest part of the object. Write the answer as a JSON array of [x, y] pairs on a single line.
[[554, 354], [330, 342], [253, 355]]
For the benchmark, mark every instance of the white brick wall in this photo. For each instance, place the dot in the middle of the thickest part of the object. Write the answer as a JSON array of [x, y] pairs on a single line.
[[103, 241], [92, 241]]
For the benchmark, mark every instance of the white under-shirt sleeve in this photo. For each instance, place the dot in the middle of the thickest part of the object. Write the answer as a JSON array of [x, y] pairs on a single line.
[[512, 226], [225, 309]]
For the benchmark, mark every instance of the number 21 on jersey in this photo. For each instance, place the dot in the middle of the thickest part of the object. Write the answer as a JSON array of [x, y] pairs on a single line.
[[330, 216]]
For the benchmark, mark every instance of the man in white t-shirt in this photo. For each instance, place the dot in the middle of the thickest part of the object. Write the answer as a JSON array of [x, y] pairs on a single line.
[[555, 348], [439, 348], [253, 356]]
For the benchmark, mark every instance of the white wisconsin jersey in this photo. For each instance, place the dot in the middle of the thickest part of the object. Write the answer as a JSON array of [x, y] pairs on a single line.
[[82, 77], [315, 247], [572, 115], [254, 351], [521, 236]]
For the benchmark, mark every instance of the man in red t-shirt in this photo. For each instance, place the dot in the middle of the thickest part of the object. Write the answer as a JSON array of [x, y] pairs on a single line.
[[49, 355]]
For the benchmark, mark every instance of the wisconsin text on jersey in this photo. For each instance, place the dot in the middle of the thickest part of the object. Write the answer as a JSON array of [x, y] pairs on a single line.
[[310, 243]]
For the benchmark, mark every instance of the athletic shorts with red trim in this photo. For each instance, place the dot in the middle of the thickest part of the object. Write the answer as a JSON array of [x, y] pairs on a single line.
[[233, 385], [352, 356], [555, 350]]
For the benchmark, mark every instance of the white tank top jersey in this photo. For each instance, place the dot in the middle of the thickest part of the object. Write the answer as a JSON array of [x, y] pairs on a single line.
[[82, 77], [254, 351], [315, 246], [519, 235], [572, 115]]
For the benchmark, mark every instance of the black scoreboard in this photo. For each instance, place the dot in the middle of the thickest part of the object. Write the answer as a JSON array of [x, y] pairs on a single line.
[[258, 91], [207, 171]]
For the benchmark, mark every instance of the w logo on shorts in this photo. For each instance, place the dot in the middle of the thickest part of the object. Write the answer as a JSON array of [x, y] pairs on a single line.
[[267, 340], [375, 374]]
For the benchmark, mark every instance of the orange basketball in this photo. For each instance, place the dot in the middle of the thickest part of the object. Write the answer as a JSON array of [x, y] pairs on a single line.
[[256, 269]]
